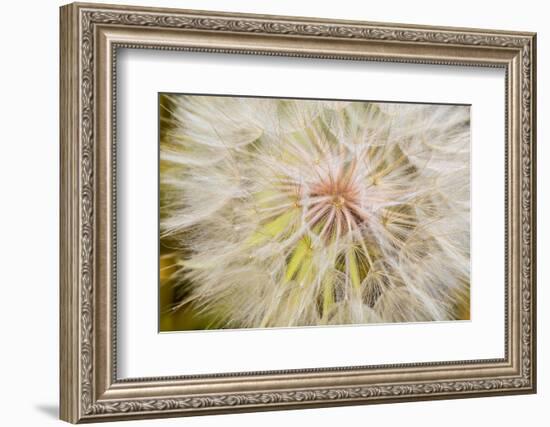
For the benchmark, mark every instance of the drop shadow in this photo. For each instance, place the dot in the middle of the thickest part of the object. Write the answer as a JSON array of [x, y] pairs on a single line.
[[50, 410]]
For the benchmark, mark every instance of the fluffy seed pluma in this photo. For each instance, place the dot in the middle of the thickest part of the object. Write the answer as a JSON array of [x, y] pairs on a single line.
[[304, 212]]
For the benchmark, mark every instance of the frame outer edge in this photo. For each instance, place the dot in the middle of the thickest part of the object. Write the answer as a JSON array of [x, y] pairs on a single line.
[[69, 355], [78, 303], [534, 270]]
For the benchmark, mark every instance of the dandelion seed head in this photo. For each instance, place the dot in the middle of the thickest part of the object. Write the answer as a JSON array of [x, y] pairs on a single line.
[[293, 213]]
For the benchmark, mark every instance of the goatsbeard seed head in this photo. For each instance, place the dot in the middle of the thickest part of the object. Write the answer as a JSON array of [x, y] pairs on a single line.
[[293, 212]]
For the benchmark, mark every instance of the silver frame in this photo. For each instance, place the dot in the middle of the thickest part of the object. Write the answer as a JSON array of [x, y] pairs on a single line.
[[90, 37]]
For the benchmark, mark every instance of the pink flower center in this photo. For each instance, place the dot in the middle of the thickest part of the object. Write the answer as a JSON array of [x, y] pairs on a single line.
[[334, 203]]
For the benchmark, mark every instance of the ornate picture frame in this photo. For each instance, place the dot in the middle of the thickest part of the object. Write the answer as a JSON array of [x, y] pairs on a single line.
[[91, 34]]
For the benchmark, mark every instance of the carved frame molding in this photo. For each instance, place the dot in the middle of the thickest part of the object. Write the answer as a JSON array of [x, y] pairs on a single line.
[[90, 37]]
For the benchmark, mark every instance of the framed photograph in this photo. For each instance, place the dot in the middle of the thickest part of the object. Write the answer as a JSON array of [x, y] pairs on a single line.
[[266, 212]]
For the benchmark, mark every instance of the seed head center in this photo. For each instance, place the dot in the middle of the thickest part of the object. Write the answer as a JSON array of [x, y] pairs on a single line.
[[335, 205]]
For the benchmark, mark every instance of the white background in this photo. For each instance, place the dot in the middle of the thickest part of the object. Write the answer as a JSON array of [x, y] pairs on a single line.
[[29, 170], [145, 353]]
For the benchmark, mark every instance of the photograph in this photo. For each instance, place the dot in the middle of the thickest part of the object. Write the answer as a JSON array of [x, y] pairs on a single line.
[[282, 212]]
